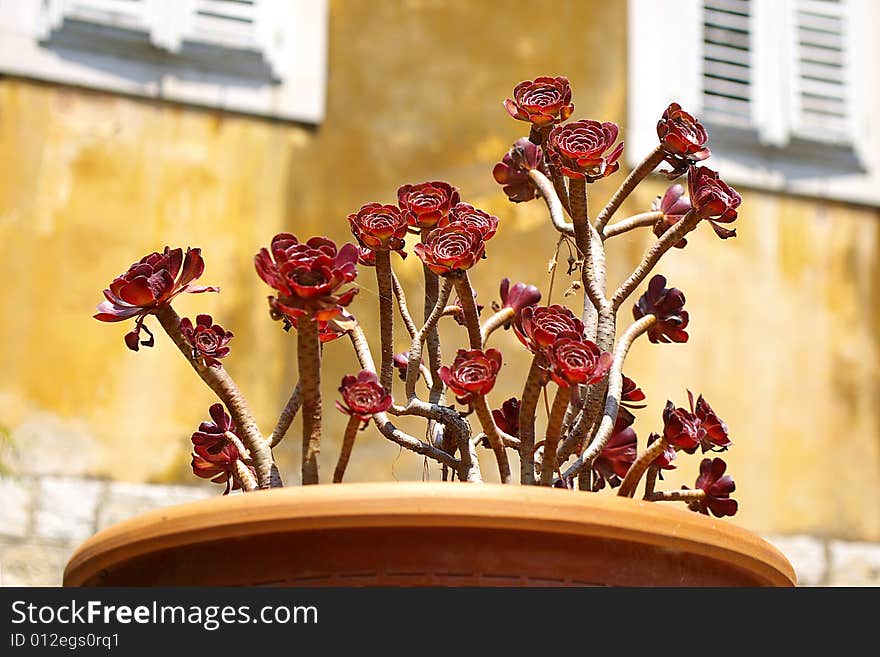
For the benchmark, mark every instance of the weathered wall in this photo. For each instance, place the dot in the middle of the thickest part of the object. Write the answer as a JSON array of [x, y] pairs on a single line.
[[784, 332]]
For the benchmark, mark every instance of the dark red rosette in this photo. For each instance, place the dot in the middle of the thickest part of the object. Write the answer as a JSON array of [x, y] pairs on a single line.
[[214, 457], [308, 277], [379, 227], [575, 361], [674, 205], [468, 215], [472, 373], [517, 297], [366, 257], [207, 339], [699, 427], [363, 396], [713, 199], [507, 417], [150, 284], [617, 457], [537, 327], [667, 305], [718, 487], [681, 428], [683, 138], [542, 101], [452, 248], [631, 394], [425, 204], [581, 149], [512, 172], [713, 434]]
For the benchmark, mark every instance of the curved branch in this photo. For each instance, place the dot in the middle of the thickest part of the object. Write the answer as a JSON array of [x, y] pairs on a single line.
[[641, 220], [554, 429], [495, 322], [632, 181], [287, 414], [554, 205], [225, 388], [348, 438], [415, 350]]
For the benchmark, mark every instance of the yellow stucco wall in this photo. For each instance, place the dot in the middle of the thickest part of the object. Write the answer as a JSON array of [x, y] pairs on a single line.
[[784, 327]]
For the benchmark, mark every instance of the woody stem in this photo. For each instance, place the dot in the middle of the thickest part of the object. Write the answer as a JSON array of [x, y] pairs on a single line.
[[677, 496], [632, 181], [527, 410], [630, 223], [348, 437], [554, 430], [495, 439], [308, 358], [225, 388], [386, 316], [495, 322], [637, 469]]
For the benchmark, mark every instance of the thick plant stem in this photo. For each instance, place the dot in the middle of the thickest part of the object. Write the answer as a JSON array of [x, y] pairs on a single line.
[[554, 429], [652, 256], [554, 205], [308, 358], [291, 408], [641, 220], [415, 349], [612, 399], [469, 307], [245, 479], [402, 306], [348, 437], [224, 387], [527, 410], [651, 480], [386, 317], [435, 358], [494, 436], [585, 240], [495, 322], [637, 469], [689, 496], [632, 181]]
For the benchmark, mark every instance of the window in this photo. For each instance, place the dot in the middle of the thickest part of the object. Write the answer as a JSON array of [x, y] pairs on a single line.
[[265, 57], [785, 88]]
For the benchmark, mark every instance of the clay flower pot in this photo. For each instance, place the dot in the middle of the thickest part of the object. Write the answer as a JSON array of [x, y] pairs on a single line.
[[424, 534]]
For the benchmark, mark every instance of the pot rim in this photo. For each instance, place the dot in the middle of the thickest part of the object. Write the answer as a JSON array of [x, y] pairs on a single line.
[[429, 504]]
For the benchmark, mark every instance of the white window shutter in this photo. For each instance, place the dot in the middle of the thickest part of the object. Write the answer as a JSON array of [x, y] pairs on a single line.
[[823, 100], [727, 82]]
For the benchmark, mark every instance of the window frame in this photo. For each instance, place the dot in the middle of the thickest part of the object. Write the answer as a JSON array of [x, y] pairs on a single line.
[[161, 74], [665, 65]]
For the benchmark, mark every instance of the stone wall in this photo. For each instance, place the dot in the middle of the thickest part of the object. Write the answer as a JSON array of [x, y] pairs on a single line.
[[43, 519]]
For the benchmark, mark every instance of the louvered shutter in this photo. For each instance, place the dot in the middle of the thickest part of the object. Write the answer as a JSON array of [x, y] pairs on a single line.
[[822, 96], [727, 84]]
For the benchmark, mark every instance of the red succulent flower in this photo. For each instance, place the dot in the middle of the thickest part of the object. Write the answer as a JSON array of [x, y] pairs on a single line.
[[575, 361], [472, 373], [455, 247], [366, 257], [683, 138], [512, 172], [579, 149], [718, 487], [699, 427], [667, 305], [631, 394], [207, 339], [537, 327], [713, 199], [210, 435], [507, 417], [468, 215], [674, 205], [150, 284], [214, 457], [425, 204], [616, 458], [308, 277], [363, 396], [542, 101], [328, 329], [518, 297], [379, 227]]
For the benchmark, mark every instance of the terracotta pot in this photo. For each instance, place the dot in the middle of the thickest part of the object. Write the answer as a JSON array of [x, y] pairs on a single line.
[[415, 534]]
